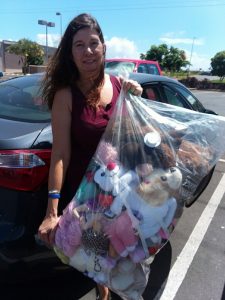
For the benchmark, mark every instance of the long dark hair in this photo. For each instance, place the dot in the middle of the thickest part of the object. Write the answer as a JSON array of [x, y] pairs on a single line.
[[62, 72]]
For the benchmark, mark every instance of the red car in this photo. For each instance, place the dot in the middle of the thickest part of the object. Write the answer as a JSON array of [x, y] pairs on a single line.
[[133, 65]]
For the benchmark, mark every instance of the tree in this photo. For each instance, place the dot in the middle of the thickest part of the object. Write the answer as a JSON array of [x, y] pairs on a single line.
[[31, 53], [171, 59], [218, 65], [174, 60], [156, 53]]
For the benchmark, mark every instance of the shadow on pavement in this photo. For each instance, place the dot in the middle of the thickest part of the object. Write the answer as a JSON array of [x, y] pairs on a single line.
[[160, 269], [68, 288], [76, 285]]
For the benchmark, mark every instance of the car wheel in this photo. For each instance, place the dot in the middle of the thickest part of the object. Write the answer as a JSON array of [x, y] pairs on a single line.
[[200, 188]]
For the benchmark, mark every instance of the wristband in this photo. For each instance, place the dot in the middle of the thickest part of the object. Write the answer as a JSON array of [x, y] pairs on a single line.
[[54, 194]]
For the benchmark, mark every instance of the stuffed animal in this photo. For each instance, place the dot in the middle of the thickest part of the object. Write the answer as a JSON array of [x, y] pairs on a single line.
[[112, 178], [87, 187], [68, 233], [106, 153], [194, 157], [123, 236], [129, 279], [94, 266], [153, 149], [159, 149], [151, 202]]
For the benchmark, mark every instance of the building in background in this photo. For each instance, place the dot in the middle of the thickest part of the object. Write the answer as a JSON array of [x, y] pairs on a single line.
[[12, 63]]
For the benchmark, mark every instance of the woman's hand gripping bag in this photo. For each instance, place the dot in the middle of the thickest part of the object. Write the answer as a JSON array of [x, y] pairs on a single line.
[[134, 190]]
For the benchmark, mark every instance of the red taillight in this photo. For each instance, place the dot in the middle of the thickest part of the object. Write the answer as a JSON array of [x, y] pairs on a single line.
[[24, 170]]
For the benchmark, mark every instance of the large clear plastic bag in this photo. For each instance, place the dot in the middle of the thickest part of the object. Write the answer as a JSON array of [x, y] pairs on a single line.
[[150, 159]]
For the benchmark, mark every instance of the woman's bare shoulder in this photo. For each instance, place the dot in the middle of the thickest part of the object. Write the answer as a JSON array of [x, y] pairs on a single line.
[[66, 92], [63, 97]]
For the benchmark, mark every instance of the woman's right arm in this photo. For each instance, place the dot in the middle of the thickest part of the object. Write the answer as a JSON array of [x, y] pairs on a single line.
[[60, 157]]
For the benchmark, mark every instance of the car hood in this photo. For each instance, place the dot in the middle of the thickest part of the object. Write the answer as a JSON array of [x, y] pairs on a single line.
[[19, 135]]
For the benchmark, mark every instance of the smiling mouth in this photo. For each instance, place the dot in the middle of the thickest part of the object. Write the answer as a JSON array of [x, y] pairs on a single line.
[[89, 61]]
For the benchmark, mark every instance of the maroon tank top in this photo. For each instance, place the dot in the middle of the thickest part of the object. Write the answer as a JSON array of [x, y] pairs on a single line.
[[86, 130]]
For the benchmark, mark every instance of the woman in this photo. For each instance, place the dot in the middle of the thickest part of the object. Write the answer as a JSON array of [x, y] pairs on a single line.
[[81, 97]]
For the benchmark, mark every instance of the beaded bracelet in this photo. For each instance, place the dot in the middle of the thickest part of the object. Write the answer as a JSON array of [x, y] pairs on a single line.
[[54, 194]]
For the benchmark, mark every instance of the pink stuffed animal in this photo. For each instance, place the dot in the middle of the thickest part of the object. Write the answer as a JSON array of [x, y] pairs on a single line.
[[122, 234], [68, 233]]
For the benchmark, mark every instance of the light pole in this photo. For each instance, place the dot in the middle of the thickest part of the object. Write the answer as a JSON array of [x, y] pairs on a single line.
[[191, 54], [59, 14], [47, 24]]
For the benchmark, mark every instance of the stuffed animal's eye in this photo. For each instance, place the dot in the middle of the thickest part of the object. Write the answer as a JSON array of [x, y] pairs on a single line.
[[103, 174], [163, 178], [172, 170]]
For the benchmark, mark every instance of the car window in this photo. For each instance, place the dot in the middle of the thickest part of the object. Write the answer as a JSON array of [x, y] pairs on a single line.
[[151, 92], [142, 68], [20, 99], [120, 66], [173, 97], [148, 68], [195, 103]]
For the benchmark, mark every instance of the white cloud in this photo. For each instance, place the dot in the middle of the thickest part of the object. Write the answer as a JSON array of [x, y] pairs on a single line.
[[53, 39], [198, 61], [121, 48], [187, 41]]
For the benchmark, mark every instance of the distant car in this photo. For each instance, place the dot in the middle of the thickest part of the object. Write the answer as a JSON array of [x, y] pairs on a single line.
[[25, 151], [133, 65]]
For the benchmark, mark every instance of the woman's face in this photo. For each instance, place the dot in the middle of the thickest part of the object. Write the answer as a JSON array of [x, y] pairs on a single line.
[[87, 51]]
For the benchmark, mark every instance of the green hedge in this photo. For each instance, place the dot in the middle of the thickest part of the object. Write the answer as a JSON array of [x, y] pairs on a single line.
[[192, 82]]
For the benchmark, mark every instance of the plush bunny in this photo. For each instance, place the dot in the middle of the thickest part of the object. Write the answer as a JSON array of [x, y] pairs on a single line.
[[113, 178]]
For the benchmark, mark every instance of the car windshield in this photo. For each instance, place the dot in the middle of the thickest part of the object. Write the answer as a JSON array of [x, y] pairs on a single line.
[[20, 100], [120, 66]]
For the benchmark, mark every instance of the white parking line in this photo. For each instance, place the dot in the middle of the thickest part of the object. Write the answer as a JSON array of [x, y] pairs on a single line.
[[183, 262]]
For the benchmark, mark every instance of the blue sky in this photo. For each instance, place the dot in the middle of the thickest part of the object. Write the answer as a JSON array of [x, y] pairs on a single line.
[[130, 27]]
